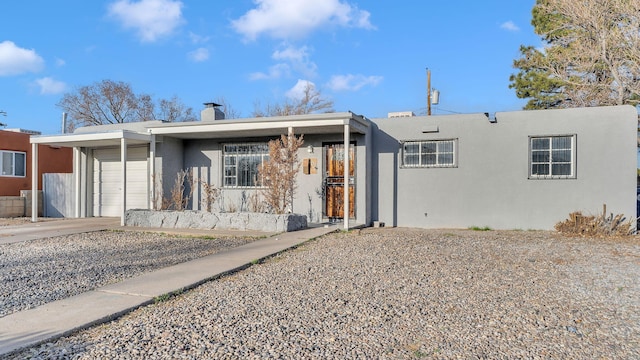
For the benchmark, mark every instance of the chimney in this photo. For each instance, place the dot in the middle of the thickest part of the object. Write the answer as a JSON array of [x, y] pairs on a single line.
[[211, 112]]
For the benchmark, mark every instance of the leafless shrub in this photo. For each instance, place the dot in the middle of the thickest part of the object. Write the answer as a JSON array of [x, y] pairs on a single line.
[[231, 207], [210, 194], [278, 175], [255, 203], [600, 225], [180, 193]]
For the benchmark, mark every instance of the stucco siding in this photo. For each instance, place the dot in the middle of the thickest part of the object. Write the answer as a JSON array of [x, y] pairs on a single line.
[[490, 184]]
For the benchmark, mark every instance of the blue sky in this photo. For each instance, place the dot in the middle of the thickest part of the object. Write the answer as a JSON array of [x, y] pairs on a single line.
[[367, 56]]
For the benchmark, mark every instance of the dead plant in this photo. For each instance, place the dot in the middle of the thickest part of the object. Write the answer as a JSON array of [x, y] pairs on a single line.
[[278, 174], [181, 192], [597, 226], [255, 203], [210, 194]]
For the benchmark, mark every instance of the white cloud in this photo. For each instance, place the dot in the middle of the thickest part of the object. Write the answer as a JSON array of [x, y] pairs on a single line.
[[198, 39], [510, 26], [351, 82], [199, 55], [276, 71], [298, 90], [151, 19], [291, 60], [49, 86], [285, 19], [15, 60], [298, 58], [60, 62]]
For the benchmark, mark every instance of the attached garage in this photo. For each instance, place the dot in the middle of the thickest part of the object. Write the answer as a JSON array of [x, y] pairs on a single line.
[[107, 179]]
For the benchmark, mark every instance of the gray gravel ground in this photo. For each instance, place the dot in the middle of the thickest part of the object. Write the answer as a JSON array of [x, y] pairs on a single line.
[[36, 272], [396, 294]]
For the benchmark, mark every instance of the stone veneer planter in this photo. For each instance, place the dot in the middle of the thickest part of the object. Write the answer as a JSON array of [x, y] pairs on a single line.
[[192, 219]]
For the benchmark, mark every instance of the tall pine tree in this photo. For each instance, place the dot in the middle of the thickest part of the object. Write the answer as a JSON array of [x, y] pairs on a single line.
[[591, 55]]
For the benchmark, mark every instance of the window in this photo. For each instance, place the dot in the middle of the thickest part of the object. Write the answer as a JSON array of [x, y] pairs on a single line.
[[552, 157], [241, 163], [433, 153], [13, 163]]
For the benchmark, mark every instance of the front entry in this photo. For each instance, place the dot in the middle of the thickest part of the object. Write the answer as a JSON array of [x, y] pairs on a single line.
[[334, 181]]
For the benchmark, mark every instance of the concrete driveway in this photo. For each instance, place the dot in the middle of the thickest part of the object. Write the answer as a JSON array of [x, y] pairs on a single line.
[[49, 228]]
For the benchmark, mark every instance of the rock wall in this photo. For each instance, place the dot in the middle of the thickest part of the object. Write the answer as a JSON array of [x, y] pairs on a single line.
[[209, 220]]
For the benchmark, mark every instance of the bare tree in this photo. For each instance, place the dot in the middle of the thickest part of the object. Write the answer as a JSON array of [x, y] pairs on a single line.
[[112, 102], [591, 57], [278, 174], [229, 111], [311, 101], [174, 110]]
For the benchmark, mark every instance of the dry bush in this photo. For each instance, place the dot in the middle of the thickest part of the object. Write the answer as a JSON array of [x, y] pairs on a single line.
[[278, 175], [255, 203], [231, 207], [600, 225], [180, 194], [159, 203], [210, 194]]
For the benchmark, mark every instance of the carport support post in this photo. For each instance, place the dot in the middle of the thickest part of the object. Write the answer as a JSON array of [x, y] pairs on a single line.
[[346, 177], [34, 182], [152, 174], [76, 175], [123, 179]]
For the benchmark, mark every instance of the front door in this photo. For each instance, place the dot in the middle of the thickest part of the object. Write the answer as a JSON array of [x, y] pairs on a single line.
[[334, 181]]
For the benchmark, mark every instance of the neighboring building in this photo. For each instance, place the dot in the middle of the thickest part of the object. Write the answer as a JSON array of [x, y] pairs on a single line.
[[524, 169], [15, 160]]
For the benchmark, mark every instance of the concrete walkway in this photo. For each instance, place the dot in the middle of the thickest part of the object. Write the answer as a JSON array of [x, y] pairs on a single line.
[[60, 318]]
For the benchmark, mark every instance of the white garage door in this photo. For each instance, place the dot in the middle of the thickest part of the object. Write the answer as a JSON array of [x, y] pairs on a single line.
[[107, 197]]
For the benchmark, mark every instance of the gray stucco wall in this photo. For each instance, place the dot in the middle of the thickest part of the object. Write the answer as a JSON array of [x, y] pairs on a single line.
[[205, 158], [169, 161], [490, 185]]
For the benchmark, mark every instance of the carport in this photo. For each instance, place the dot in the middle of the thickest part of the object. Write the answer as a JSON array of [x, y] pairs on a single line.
[[118, 138]]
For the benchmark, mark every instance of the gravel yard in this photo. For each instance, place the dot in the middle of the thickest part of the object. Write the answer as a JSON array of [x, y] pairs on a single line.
[[396, 294], [35, 272]]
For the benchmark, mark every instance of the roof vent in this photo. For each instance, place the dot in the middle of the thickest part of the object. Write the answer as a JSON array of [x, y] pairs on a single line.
[[398, 114]]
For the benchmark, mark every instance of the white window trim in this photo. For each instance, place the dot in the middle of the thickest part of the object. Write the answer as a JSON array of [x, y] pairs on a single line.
[[223, 163], [426, 166], [574, 151], [14, 163]]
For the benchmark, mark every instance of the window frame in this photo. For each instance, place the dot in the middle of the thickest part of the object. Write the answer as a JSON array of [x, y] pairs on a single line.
[[549, 176], [13, 163], [421, 164], [238, 157]]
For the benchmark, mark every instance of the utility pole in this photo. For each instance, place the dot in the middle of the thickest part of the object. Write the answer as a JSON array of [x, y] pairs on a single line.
[[428, 92], [433, 96]]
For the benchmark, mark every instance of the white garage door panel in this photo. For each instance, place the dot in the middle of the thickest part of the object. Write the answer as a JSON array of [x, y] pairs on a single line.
[[106, 181]]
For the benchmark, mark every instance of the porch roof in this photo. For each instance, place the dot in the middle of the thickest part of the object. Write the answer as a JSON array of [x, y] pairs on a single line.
[[93, 139], [329, 123]]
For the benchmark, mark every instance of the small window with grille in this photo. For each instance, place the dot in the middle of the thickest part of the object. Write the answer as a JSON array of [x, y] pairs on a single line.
[[552, 157], [429, 153]]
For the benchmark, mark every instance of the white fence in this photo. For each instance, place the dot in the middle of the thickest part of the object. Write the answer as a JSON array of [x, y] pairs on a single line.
[[59, 195]]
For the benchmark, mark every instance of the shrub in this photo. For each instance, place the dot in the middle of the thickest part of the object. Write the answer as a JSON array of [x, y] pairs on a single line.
[[277, 176], [180, 193], [210, 193], [600, 225]]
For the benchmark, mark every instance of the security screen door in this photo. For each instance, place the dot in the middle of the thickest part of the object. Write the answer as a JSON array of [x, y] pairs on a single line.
[[334, 181]]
